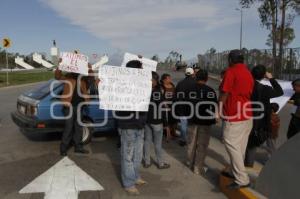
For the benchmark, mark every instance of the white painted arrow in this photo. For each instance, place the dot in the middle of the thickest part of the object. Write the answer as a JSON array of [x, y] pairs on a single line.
[[62, 181]]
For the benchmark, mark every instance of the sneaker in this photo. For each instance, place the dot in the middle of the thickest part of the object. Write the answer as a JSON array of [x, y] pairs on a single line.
[[164, 166], [203, 171], [196, 171], [146, 165], [133, 191], [81, 151], [235, 186], [227, 174], [63, 153], [188, 163], [182, 143], [140, 182]]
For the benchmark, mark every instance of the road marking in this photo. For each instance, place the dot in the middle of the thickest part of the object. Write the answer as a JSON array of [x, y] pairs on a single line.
[[62, 181]]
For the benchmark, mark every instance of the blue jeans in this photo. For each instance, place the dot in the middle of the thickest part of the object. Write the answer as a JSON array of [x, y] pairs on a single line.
[[183, 128], [153, 133], [132, 141]]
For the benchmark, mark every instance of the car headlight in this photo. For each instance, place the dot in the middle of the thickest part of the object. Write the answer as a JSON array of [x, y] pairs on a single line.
[[33, 110]]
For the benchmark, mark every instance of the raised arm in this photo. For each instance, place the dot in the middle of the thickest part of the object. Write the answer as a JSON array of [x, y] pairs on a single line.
[[275, 90]]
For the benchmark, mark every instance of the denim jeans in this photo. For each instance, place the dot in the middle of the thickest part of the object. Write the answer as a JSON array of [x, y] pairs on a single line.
[[183, 128], [132, 141], [153, 133]]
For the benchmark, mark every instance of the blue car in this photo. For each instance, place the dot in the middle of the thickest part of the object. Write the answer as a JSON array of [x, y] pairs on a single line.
[[40, 111]]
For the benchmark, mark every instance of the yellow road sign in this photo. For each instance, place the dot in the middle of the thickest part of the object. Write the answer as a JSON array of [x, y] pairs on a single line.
[[6, 42]]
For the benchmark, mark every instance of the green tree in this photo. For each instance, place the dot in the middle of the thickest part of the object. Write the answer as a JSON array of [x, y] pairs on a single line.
[[270, 11], [289, 36]]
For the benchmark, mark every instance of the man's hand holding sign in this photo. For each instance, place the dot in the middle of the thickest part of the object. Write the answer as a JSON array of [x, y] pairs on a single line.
[[147, 63], [125, 89]]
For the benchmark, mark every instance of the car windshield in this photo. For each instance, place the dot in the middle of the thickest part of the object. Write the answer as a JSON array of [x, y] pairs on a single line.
[[43, 90]]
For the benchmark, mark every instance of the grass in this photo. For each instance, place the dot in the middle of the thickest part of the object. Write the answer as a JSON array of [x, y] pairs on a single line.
[[24, 77]]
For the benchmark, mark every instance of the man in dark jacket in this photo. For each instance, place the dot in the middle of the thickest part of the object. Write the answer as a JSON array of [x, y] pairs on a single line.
[[294, 127], [131, 127], [182, 94], [262, 94], [199, 125]]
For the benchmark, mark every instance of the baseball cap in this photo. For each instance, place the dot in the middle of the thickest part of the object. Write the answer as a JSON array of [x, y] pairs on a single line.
[[189, 71]]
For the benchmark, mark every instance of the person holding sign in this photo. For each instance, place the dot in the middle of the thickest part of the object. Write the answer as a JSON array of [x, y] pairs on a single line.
[[131, 125], [262, 128], [71, 99]]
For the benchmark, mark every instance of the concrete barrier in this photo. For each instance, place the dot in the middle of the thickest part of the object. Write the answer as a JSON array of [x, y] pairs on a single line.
[[280, 176]]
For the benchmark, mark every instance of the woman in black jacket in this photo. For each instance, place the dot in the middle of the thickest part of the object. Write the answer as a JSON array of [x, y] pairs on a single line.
[[154, 127], [261, 125]]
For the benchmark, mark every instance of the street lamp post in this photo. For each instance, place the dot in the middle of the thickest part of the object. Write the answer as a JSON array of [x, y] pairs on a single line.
[[241, 29]]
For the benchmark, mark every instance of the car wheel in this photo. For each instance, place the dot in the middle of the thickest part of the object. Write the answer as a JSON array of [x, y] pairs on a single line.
[[87, 133]]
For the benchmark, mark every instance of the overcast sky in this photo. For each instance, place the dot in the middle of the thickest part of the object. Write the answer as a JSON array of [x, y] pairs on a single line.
[[139, 26]]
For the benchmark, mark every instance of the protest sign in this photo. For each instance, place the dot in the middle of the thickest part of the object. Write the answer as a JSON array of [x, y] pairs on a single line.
[[287, 89], [124, 89], [74, 63], [147, 63]]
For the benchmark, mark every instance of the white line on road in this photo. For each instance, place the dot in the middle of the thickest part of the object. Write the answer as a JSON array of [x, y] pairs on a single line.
[[62, 181]]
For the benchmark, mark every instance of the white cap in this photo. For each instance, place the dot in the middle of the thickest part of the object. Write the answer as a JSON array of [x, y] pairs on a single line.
[[189, 71]]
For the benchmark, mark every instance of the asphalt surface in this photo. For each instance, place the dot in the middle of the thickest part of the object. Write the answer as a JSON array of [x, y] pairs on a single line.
[[23, 157]]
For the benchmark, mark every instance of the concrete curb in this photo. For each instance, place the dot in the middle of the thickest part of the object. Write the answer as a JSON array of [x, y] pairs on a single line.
[[245, 193]]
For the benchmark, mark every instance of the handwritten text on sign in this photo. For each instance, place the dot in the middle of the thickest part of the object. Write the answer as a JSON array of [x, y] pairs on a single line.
[[74, 63], [124, 89], [147, 63]]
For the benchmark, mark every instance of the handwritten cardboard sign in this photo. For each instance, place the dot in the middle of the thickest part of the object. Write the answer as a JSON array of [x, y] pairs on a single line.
[[147, 63], [74, 63], [124, 89], [287, 90]]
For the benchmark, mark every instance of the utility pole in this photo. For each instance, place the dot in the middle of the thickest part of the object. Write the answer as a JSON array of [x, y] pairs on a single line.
[[241, 28], [7, 81], [6, 44]]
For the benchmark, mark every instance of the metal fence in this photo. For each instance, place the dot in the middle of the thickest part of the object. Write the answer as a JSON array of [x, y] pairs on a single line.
[[290, 69]]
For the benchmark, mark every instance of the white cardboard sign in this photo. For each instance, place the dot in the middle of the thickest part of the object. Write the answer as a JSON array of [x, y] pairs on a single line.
[[74, 63], [124, 89], [287, 89], [147, 63]]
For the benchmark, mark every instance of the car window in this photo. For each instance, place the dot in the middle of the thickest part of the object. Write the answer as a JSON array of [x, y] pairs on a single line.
[[43, 90]]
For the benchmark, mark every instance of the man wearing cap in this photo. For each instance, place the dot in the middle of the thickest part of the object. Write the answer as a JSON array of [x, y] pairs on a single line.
[[182, 96], [235, 108]]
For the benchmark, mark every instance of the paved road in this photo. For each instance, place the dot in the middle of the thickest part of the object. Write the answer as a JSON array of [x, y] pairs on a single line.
[[24, 157]]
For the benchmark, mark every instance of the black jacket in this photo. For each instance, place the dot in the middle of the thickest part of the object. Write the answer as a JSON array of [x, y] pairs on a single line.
[[182, 94], [204, 113], [263, 93], [135, 120]]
